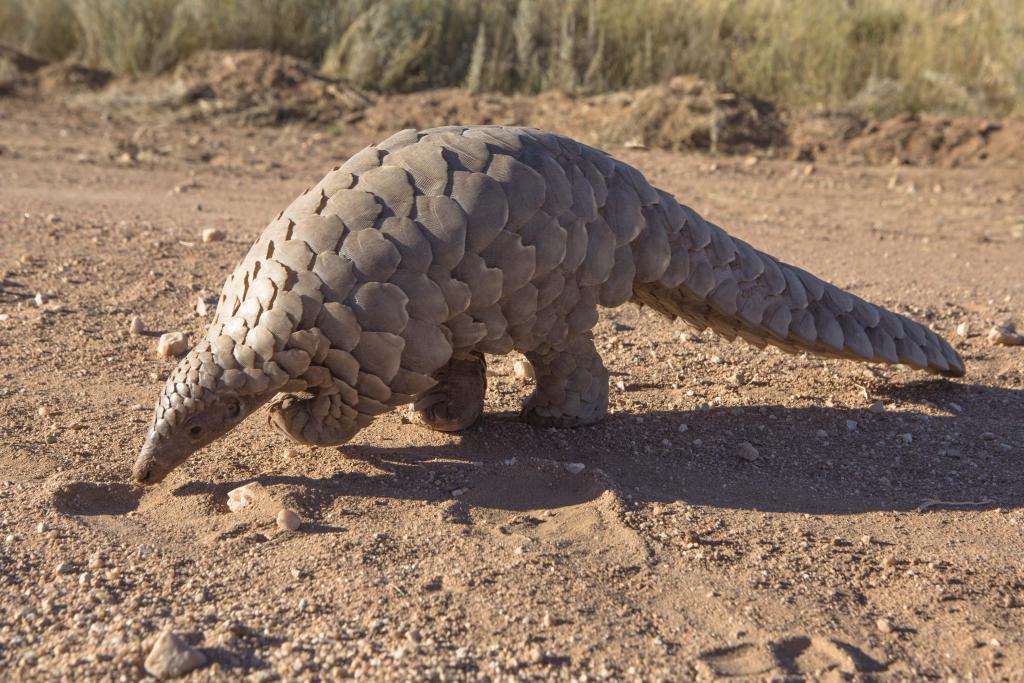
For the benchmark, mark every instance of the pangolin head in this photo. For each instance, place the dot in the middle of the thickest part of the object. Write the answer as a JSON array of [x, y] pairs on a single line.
[[189, 416]]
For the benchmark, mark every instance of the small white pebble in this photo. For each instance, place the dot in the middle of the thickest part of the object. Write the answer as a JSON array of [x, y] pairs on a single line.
[[877, 407], [523, 370], [906, 437], [884, 625], [851, 425], [172, 344], [214, 235], [620, 385], [136, 326], [1005, 335], [289, 453], [747, 451], [574, 467], [683, 427], [963, 329], [43, 411], [242, 497], [41, 528], [40, 299], [821, 434], [287, 520]]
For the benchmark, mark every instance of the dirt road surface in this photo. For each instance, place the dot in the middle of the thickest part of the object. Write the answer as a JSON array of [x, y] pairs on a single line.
[[842, 542]]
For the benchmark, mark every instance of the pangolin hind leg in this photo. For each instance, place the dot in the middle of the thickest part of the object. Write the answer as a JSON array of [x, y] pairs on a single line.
[[314, 420], [572, 385], [457, 400]]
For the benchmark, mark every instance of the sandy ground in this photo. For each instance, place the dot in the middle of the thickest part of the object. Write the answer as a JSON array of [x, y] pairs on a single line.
[[858, 545]]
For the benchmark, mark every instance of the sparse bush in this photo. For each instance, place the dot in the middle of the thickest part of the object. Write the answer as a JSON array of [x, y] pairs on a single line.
[[879, 56]]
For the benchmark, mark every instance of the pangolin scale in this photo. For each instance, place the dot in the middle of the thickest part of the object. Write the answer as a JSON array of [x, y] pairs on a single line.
[[388, 281]]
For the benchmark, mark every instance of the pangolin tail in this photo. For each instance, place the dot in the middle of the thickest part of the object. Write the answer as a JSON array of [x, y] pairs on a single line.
[[713, 280]]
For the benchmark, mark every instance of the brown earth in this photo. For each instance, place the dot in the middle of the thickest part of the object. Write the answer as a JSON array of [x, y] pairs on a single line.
[[858, 545], [687, 113]]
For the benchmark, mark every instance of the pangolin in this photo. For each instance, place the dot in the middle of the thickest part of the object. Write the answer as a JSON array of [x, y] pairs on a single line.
[[388, 282]]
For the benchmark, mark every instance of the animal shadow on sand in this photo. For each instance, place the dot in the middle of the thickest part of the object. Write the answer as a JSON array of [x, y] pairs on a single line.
[[815, 460]]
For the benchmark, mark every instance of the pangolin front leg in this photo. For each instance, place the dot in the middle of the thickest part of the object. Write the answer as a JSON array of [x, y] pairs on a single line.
[[572, 385], [457, 400], [313, 420]]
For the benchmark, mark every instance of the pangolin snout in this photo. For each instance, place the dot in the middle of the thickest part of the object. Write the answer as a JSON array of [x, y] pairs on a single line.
[[148, 469]]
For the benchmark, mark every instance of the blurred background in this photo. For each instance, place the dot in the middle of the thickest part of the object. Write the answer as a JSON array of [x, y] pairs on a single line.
[[875, 56]]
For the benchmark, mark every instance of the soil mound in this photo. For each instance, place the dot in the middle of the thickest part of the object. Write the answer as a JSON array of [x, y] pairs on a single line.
[[256, 87], [23, 74], [918, 139], [690, 113], [238, 87], [687, 113]]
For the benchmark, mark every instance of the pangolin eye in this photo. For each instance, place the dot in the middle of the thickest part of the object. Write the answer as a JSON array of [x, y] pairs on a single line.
[[195, 430]]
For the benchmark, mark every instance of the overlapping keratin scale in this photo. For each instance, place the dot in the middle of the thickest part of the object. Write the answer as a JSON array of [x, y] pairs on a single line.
[[439, 244], [716, 281]]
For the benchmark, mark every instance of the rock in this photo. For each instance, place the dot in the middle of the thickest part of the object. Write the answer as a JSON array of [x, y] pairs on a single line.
[[171, 657], [206, 303], [906, 437], [287, 520], [242, 497], [877, 407], [851, 425], [574, 467], [214, 235], [1005, 335], [963, 329], [884, 625], [136, 326], [172, 344], [523, 370], [747, 451]]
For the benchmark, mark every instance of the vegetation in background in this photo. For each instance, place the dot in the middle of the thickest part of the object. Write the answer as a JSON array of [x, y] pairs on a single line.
[[873, 56]]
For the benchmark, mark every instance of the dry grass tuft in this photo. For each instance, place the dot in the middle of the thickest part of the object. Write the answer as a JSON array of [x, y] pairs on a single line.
[[872, 56]]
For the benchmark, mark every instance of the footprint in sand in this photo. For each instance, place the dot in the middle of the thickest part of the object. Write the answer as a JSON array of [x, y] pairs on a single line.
[[796, 655]]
